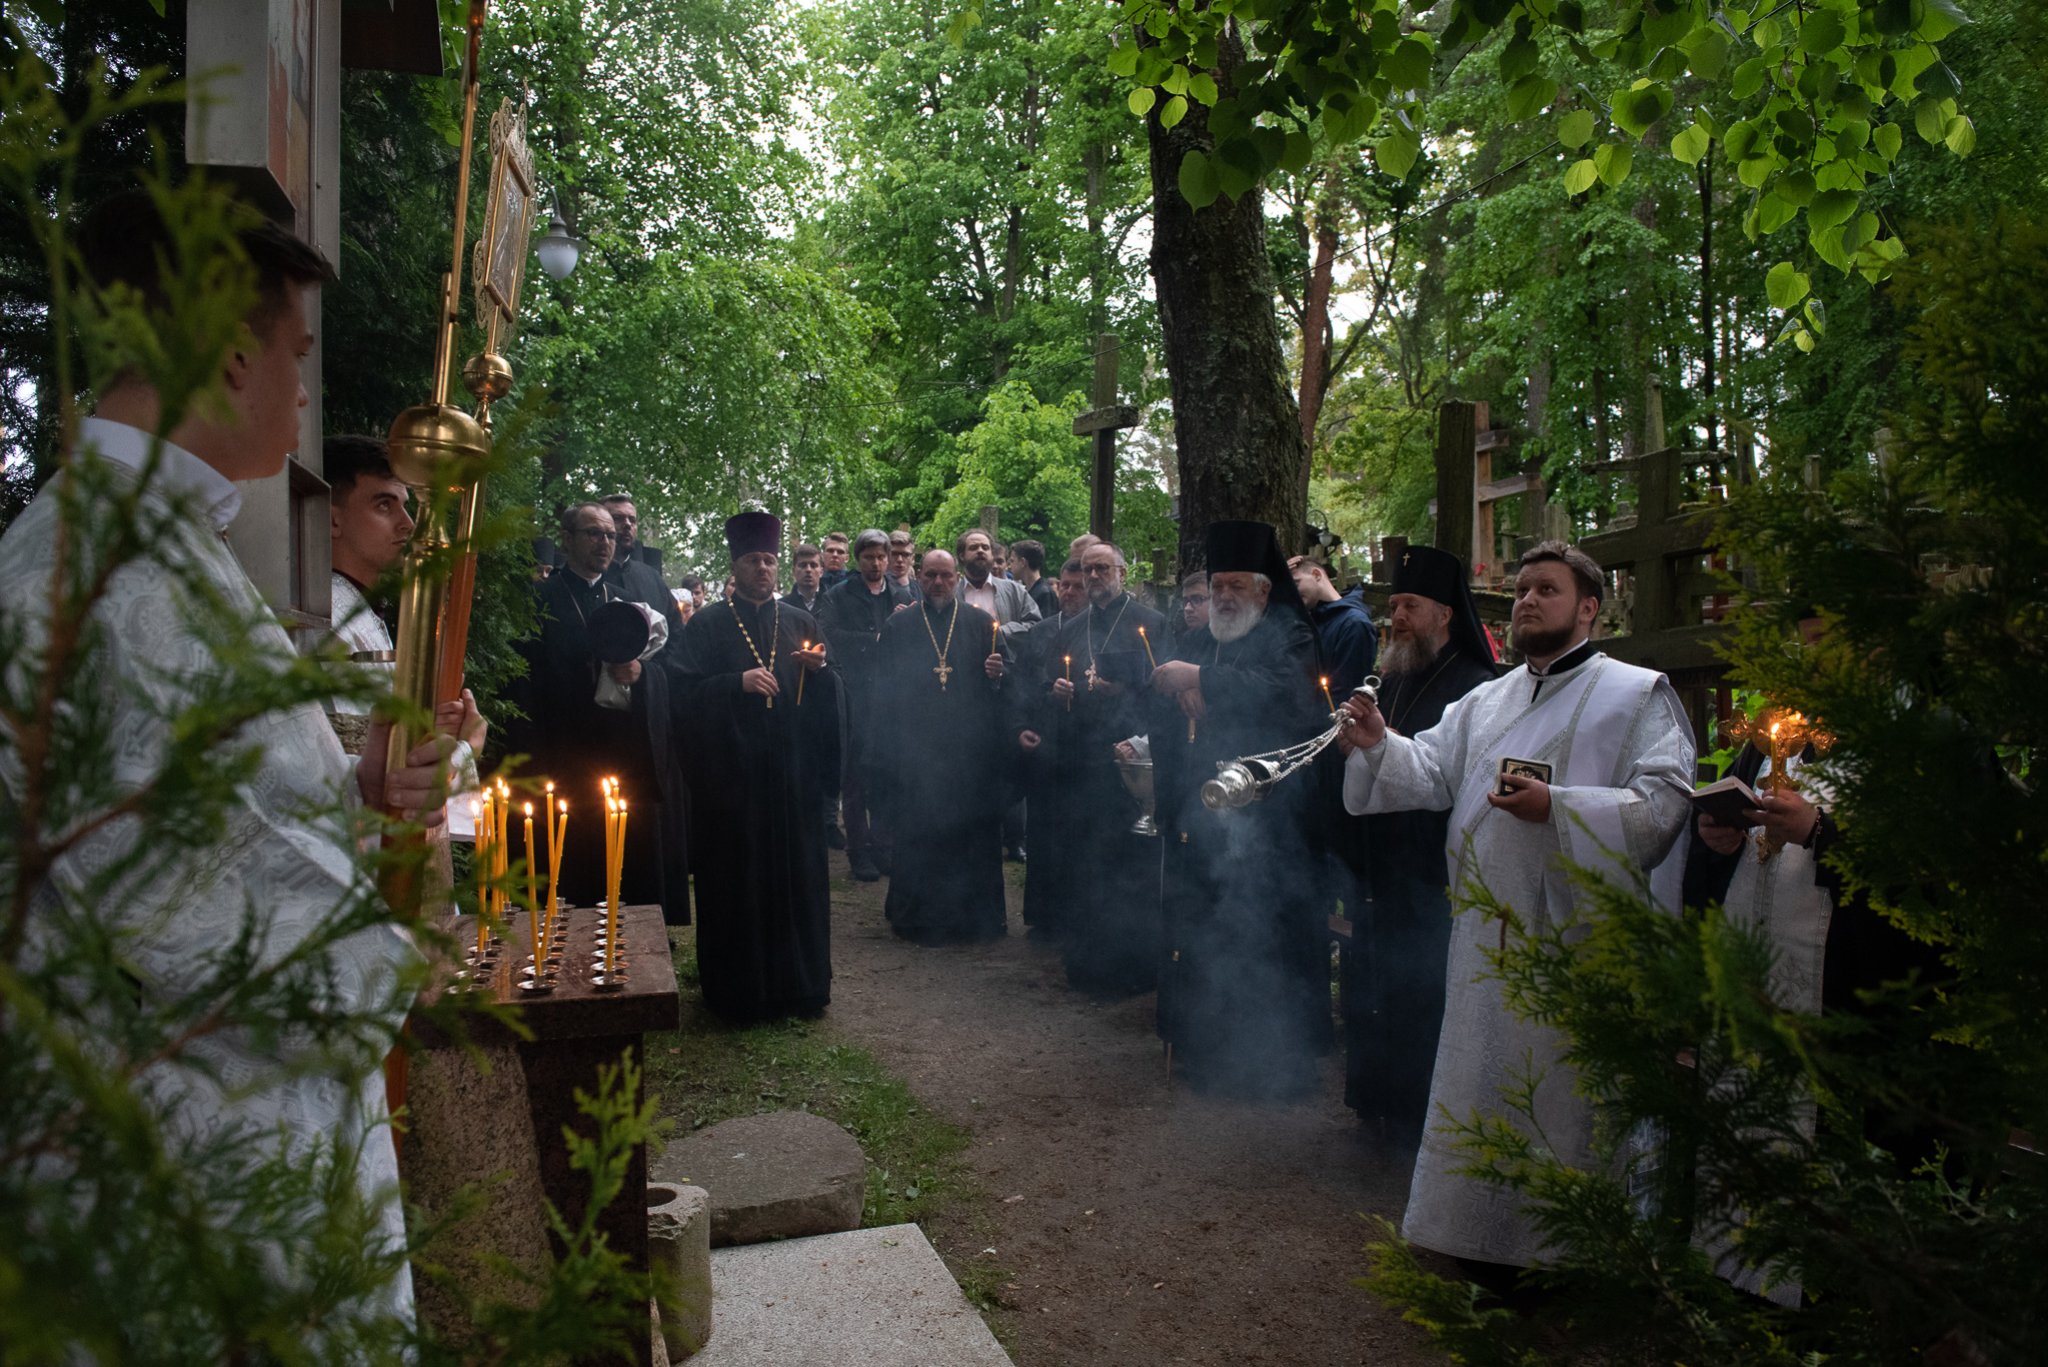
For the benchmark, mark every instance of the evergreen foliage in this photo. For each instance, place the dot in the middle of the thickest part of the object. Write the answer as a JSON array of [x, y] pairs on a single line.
[[124, 1237], [1911, 1212]]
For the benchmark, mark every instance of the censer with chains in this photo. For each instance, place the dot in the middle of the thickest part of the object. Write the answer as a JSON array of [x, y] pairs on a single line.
[[1243, 781]]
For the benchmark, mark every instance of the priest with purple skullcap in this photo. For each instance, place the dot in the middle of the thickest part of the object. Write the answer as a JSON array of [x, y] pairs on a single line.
[[762, 712], [1244, 995]]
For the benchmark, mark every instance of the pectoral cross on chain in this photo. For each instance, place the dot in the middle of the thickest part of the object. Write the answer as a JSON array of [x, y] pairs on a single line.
[[944, 671], [1091, 676]]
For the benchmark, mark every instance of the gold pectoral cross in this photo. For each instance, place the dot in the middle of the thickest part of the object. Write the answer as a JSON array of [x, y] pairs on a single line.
[[944, 671], [1091, 676]]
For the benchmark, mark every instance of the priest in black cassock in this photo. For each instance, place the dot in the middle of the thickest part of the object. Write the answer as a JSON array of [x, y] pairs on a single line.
[[1041, 726], [942, 760], [1112, 942], [576, 741], [1392, 972], [1244, 996], [764, 751]]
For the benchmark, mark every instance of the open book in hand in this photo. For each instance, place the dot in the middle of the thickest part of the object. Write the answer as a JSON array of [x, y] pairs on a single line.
[[1727, 801]]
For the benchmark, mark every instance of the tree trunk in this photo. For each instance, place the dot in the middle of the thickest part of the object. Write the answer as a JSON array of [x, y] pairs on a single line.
[[1315, 321], [1092, 162], [1236, 425]]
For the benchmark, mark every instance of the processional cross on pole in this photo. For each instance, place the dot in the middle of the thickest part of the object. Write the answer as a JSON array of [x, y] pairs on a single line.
[[1103, 422]]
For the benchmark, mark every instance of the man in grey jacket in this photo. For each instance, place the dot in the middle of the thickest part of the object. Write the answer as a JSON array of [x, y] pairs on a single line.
[[1006, 600]]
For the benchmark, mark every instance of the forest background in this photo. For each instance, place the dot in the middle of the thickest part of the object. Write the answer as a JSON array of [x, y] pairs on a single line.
[[846, 261]]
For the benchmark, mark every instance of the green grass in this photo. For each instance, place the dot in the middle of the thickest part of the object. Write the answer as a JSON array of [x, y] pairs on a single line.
[[709, 1071]]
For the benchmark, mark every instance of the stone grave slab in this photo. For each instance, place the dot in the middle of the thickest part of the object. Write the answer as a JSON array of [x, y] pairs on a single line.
[[868, 1298], [783, 1175]]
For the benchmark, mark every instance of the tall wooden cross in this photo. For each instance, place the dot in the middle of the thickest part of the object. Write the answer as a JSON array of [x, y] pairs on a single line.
[[1103, 422]]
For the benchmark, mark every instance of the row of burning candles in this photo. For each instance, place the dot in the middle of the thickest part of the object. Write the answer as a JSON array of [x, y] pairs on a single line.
[[492, 810]]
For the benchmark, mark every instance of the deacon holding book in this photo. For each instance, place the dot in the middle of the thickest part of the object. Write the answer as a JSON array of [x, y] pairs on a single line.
[[763, 756], [1573, 759], [941, 750]]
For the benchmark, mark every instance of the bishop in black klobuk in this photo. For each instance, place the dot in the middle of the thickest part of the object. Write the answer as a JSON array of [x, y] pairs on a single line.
[[1244, 986], [941, 760], [764, 752], [1392, 972]]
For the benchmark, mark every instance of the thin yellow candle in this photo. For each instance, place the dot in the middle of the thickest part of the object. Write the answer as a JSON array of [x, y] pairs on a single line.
[[558, 839], [532, 891], [1070, 678], [547, 809], [480, 823], [1325, 682], [611, 939], [801, 675], [995, 631], [502, 864], [1148, 648]]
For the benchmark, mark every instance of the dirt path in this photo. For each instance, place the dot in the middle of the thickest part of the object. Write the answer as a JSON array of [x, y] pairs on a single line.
[[1154, 1226]]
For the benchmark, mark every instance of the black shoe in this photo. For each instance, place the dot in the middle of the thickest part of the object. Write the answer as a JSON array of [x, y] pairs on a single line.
[[835, 839], [863, 869]]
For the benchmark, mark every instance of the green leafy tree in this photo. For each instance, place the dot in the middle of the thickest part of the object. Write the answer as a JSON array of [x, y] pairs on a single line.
[[988, 200], [1911, 1210]]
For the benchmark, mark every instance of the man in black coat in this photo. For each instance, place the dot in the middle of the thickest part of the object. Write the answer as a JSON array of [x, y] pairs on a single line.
[[764, 712], [852, 617], [576, 740], [637, 576], [1392, 972]]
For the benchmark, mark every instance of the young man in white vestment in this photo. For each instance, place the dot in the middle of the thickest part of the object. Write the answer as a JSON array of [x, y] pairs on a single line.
[[289, 854], [1619, 755]]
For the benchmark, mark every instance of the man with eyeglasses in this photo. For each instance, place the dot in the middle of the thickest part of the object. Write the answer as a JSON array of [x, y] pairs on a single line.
[[635, 575], [1097, 699], [576, 740]]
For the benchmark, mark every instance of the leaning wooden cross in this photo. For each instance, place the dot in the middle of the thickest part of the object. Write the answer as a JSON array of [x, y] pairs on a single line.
[[1103, 422]]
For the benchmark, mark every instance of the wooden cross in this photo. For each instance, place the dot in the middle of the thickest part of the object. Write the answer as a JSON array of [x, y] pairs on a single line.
[[944, 671], [1103, 422]]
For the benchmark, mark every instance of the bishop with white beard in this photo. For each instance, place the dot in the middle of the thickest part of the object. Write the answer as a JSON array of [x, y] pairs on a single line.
[[1244, 992]]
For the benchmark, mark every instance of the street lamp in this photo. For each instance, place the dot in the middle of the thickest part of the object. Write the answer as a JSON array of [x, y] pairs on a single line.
[[558, 249]]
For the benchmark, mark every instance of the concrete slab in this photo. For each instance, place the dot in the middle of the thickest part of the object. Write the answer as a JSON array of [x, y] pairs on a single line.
[[866, 1298], [783, 1175]]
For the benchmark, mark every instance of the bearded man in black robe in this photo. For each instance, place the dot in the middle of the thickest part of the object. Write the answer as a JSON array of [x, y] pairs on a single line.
[[764, 751], [943, 757], [1244, 997], [1112, 942], [1392, 972]]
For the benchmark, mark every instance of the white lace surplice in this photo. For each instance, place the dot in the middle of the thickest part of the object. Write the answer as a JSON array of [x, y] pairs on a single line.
[[1622, 755], [286, 853]]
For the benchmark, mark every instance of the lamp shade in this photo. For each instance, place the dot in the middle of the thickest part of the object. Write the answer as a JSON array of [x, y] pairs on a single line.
[[558, 250]]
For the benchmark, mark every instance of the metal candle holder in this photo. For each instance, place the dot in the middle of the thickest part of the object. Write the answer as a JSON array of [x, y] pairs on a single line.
[[1245, 780]]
